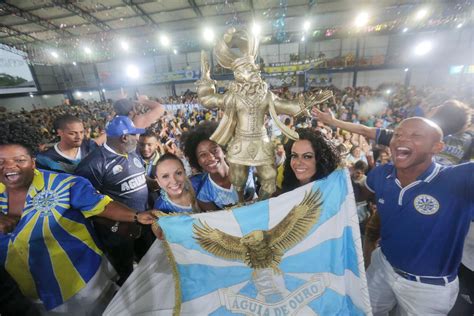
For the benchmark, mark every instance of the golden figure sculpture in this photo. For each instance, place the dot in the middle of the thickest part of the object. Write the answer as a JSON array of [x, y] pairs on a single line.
[[263, 249], [245, 105]]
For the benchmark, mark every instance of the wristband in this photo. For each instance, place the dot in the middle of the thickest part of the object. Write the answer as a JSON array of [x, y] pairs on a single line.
[[135, 218]]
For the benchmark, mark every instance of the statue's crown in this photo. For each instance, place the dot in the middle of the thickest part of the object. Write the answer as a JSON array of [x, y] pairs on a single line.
[[225, 51]]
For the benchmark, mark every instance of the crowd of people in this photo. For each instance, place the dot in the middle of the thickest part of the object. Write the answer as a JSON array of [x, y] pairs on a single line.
[[387, 137]]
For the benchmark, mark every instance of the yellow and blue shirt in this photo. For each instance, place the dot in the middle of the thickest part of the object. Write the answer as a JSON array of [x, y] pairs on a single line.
[[52, 253]]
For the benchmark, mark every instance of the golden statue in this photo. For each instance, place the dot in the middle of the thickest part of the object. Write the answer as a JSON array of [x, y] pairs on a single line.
[[245, 105], [263, 249]]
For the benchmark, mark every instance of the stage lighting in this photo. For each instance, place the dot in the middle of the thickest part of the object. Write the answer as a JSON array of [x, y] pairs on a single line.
[[256, 28], [164, 40], [78, 94], [459, 25], [31, 95], [302, 38], [55, 55], [406, 69], [103, 90], [124, 46], [421, 14], [405, 30], [306, 25], [362, 19], [87, 50], [74, 63], [175, 51], [133, 72], [423, 48], [208, 35], [388, 91]]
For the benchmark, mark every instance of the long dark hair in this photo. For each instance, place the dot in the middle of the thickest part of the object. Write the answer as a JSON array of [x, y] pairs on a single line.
[[326, 155]]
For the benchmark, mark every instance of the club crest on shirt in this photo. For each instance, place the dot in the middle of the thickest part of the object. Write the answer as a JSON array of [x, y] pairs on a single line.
[[137, 162], [117, 169], [46, 201], [426, 204]]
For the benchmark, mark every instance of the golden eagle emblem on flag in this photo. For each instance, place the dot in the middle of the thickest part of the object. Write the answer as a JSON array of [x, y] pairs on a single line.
[[261, 249]]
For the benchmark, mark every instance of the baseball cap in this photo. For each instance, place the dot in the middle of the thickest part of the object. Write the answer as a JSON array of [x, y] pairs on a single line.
[[122, 125]]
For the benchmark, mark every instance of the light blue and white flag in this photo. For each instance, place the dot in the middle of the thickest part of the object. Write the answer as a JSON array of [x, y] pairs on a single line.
[[296, 254]]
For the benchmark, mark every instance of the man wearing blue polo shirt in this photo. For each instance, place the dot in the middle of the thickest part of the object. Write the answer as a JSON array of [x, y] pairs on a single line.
[[425, 211]]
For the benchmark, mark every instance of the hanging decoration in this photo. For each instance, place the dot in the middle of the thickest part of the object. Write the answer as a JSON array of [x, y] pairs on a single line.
[[279, 24]]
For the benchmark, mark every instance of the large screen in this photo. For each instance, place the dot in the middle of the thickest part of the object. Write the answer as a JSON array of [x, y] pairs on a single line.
[[15, 75]]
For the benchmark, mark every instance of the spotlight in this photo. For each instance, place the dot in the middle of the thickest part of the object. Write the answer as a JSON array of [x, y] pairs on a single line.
[[256, 28], [459, 26], [90, 93], [132, 71], [421, 14], [164, 40], [208, 35], [362, 19], [423, 48], [302, 38], [406, 69], [74, 63], [306, 25], [405, 30], [388, 91], [103, 90], [78, 94], [175, 51], [87, 50], [124, 45], [55, 55], [31, 95]]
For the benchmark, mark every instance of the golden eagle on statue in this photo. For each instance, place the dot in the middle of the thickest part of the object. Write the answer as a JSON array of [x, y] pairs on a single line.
[[263, 249]]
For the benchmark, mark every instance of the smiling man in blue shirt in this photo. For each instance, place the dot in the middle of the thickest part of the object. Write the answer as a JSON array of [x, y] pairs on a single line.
[[425, 211]]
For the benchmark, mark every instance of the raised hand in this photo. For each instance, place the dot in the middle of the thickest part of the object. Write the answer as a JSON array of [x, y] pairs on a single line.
[[325, 117]]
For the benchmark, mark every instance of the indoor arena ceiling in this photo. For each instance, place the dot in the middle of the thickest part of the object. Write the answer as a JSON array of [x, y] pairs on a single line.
[[60, 23]]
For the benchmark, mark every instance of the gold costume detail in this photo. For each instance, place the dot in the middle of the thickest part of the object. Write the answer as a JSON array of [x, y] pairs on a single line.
[[262, 249], [245, 105]]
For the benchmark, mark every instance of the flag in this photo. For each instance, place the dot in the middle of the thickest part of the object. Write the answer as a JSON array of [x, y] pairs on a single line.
[[296, 254]]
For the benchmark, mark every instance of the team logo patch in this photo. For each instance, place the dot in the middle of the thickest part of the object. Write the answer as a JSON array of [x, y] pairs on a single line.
[[46, 201], [117, 169], [137, 162], [426, 204]]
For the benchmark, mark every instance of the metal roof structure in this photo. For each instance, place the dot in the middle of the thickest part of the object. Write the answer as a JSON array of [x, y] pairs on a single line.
[[34, 26], [30, 21]]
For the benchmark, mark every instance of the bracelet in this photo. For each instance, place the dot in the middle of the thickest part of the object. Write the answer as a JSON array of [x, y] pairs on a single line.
[[135, 218]]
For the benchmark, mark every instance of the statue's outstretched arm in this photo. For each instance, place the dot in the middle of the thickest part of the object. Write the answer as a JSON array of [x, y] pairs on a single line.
[[206, 87], [302, 105], [288, 107]]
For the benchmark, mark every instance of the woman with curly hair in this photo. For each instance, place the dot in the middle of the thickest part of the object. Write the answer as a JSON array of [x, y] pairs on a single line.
[[311, 157], [213, 188]]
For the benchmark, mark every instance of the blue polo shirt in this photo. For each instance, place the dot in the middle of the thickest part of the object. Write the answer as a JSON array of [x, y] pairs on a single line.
[[423, 225]]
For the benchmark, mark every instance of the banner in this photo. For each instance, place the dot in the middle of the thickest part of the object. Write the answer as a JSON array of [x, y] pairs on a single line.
[[296, 254], [179, 75], [293, 67]]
